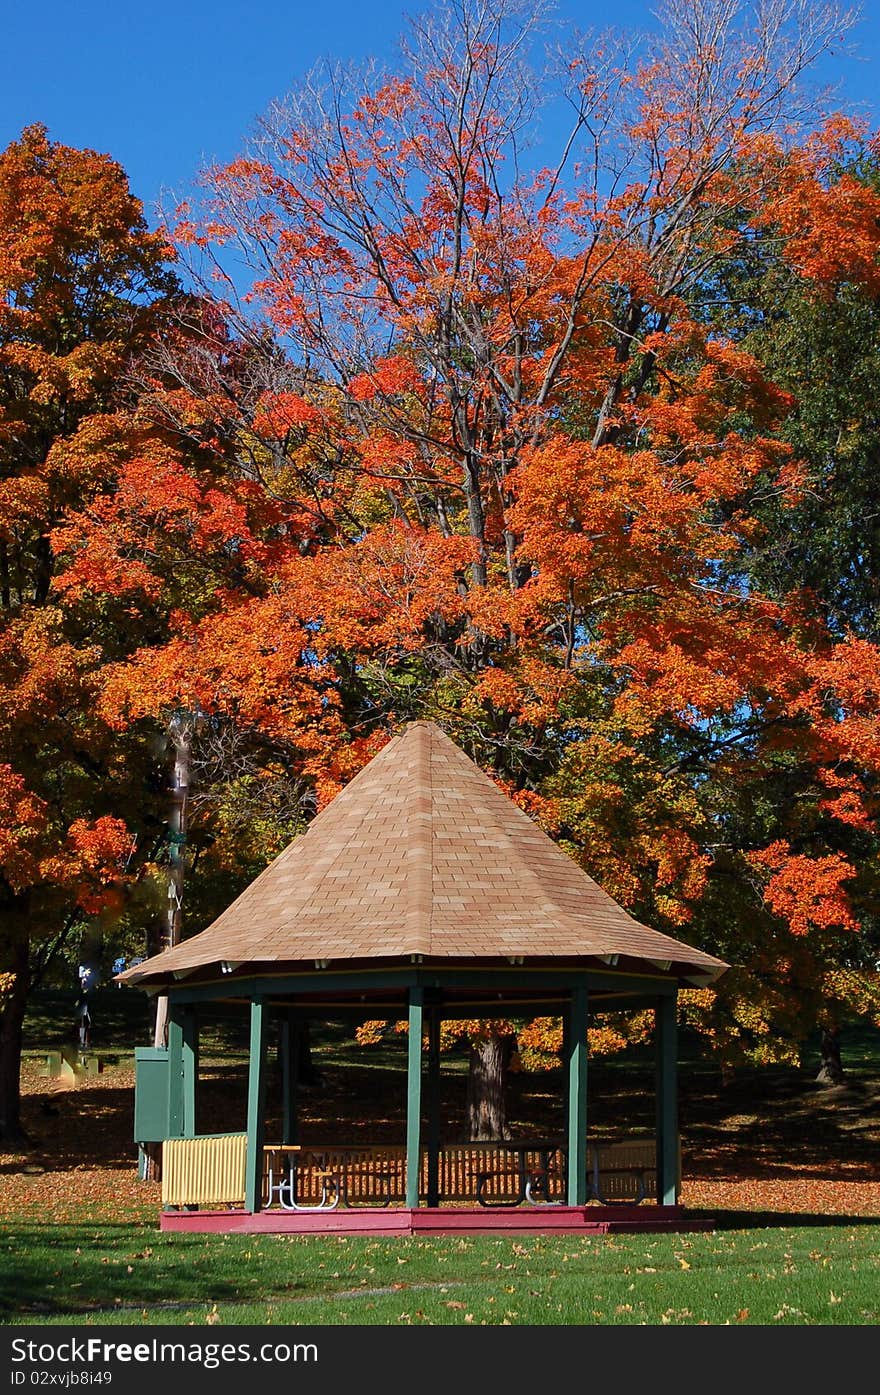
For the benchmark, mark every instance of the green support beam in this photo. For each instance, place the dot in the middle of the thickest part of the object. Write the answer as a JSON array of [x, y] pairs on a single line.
[[666, 1046], [577, 1045], [176, 1085], [414, 1095], [190, 1063], [289, 1032], [253, 1186]]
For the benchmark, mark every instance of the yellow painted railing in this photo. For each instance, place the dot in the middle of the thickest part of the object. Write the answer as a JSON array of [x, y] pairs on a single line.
[[204, 1171]]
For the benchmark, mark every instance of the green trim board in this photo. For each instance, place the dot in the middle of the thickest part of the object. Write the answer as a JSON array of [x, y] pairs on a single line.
[[341, 1011], [433, 1103], [414, 1095], [577, 1043], [666, 1045], [253, 1186], [491, 979], [190, 1067], [151, 1094], [176, 1103]]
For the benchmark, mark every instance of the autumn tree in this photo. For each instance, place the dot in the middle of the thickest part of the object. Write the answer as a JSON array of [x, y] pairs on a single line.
[[818, 337], [82, 283], [487, 460]]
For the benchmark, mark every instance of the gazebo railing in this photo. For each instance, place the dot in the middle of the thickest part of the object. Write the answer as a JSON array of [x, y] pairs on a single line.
[[210, 1171], [375, 1174]]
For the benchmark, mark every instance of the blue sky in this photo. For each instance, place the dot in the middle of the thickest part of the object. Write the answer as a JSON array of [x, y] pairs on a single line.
[[162, 89]]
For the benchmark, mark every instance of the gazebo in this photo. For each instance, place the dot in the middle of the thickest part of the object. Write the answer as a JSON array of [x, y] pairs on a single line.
[[421, 891]]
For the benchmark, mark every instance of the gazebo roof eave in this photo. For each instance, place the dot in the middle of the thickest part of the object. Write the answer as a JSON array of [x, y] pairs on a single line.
[[341, 975]]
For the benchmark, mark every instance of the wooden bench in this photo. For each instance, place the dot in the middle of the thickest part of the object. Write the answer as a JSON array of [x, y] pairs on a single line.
[[622, 1172], [529, 1170], [69, 1064], [375, 1174]]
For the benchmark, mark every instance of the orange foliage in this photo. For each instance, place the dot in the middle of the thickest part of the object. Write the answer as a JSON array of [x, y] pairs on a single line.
[[806, 892], [515, 482], [279, 413], [22, 820], [91, 861]]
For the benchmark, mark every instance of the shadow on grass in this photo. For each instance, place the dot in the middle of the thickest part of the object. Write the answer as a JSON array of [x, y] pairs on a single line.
[[778, 1220], [80, 1269]]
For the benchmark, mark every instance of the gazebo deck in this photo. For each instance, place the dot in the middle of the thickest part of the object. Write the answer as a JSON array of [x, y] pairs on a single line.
[[441, 1220]]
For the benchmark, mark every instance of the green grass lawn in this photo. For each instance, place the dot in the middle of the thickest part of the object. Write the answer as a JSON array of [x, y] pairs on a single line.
[[131, 1274]]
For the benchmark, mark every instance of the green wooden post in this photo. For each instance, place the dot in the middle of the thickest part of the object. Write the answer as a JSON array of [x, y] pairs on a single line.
[[289, 1033], [577, 1097], [253, 1186], [666, 1045], [434, 1106], [414, 1096], [190, 1052], [566, 1038], [176, 1089]]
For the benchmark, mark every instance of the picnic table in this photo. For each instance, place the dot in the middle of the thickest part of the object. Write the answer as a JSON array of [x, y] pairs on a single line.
[[281, 1179], [533, 1180], [530, 1171]]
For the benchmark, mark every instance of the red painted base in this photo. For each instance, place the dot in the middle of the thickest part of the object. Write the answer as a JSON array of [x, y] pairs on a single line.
[[549, 1220]]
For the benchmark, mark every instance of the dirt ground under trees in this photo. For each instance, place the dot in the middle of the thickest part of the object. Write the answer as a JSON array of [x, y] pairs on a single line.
[[769, 1142]]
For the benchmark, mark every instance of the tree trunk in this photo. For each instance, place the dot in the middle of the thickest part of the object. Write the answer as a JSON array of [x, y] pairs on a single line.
[[306, 1071], [5, 589], [181, 731], [11, 1022], [486, 1088], [831, 1068]]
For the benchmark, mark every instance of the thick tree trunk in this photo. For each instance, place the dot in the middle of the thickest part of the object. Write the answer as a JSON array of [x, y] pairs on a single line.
[[831, 1068], [11, 1022], [5, 589], [486, 1089], [307, 1073]]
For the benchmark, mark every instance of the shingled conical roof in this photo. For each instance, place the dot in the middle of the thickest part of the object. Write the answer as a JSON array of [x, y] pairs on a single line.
[[421, 854]]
